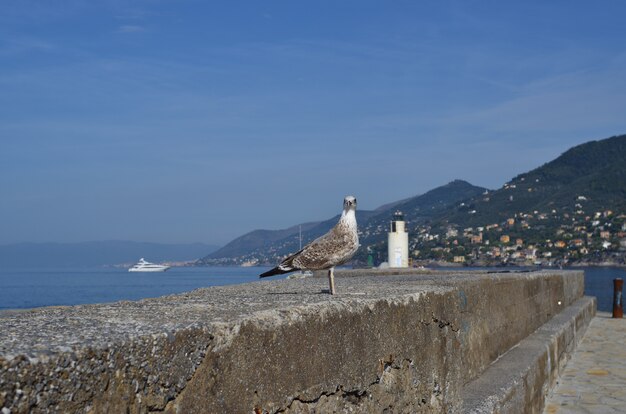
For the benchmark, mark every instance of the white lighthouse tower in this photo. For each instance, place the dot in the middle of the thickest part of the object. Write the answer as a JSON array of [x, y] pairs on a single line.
[[398, 242]]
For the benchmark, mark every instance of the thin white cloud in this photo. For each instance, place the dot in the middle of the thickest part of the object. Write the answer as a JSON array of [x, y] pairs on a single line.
[[130, 28], [20, 45]]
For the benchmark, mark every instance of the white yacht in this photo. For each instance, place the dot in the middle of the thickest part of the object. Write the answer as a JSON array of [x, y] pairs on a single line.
[[144, 266]]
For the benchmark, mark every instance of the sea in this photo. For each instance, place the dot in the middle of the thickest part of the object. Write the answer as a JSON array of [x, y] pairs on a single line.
[[32, 288]]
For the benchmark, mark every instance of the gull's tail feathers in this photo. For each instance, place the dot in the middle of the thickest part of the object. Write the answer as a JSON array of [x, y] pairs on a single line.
[[278, 270], [286, 266]]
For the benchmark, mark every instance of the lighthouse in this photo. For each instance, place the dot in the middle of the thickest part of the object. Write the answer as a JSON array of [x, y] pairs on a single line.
[[398, 242]]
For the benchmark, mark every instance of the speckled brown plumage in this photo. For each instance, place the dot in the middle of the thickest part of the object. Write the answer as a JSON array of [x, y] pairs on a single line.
[[332, 249]]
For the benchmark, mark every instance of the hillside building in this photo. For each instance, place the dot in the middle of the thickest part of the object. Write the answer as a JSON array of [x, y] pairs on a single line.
[[477, 238]]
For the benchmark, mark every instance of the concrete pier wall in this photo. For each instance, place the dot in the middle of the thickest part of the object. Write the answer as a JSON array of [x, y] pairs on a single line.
[[400, 341]]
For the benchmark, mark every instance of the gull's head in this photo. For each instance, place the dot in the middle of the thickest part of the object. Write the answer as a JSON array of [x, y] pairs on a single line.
[[349, 203]]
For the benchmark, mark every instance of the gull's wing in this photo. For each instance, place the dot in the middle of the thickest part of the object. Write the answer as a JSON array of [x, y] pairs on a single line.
[[332, 249]]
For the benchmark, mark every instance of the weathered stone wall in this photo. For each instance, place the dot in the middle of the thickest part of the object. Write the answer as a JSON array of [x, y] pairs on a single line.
[[403, 342], [520, 380]]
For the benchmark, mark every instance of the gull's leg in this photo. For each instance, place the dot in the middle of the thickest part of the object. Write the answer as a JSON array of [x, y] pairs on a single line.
[[331, 280]]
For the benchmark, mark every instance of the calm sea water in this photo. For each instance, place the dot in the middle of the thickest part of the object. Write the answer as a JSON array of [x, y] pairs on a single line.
[[21, 289], [599, 283]]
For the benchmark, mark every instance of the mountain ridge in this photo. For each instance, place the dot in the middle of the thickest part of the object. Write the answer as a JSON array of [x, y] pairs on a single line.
[[595, 170], [571, 210]]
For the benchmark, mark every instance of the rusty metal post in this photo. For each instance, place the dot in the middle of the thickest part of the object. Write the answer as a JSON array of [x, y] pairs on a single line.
[[618, 306]]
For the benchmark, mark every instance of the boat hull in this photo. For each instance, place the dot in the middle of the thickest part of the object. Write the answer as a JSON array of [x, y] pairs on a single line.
[[148, 270]]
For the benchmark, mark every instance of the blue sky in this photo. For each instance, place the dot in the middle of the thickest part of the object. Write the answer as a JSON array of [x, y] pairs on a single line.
[[180, 121]]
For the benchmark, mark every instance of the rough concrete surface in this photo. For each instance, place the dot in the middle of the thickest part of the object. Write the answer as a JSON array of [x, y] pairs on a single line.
[[385, 343], [594, 380]]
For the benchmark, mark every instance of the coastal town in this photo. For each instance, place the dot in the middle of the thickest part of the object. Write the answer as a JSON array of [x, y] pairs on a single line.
[[557, 237], [562, 236]]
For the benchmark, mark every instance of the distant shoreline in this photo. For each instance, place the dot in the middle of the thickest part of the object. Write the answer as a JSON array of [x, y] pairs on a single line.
[[448, 265], [566, 266]]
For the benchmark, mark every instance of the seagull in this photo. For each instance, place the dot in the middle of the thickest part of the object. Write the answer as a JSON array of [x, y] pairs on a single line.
[[332, 249]]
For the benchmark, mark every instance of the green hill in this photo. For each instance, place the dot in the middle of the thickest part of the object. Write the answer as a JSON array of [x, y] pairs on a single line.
[[595, 170], [569, 210]]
